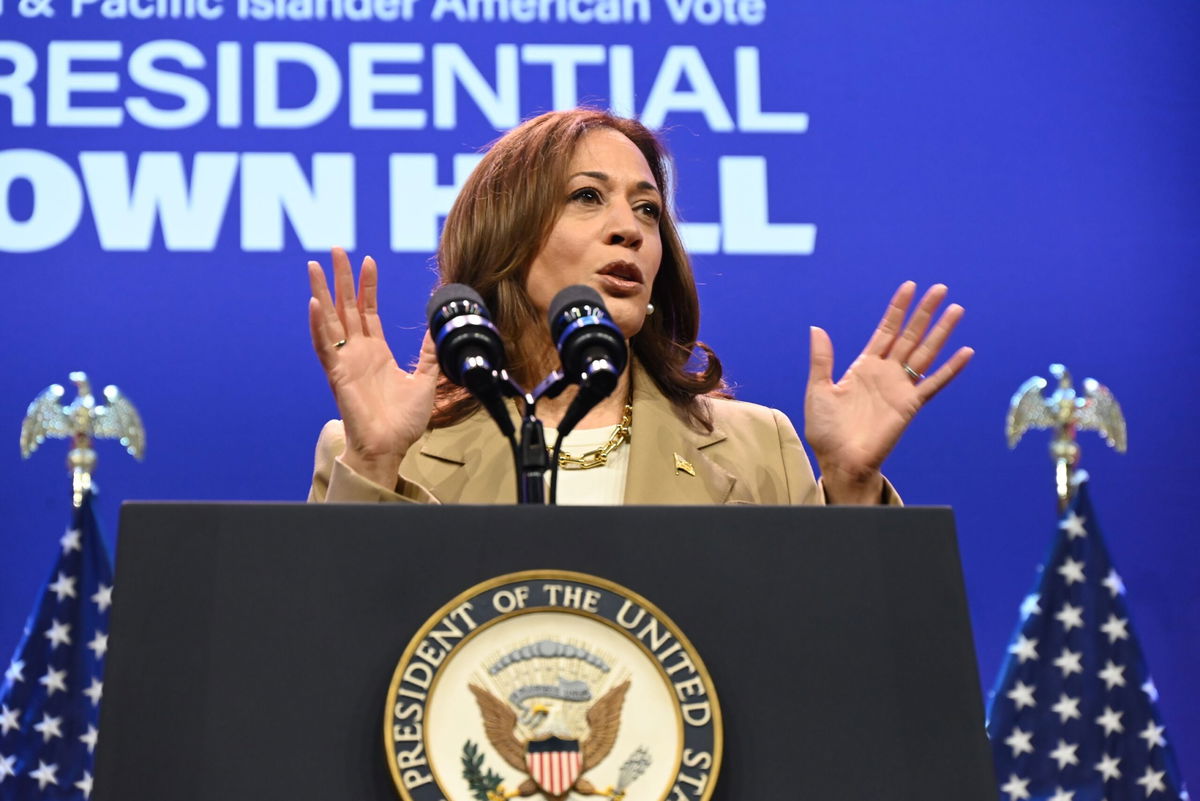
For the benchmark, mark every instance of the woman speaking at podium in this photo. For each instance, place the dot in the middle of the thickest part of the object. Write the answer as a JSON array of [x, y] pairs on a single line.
[[577, 197]]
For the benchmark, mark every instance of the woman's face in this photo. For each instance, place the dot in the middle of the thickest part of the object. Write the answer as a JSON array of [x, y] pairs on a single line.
[[606, 235]]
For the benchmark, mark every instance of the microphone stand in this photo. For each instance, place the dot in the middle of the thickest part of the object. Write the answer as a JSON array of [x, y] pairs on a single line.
[[530, 457], [529, 451], [532, 460]]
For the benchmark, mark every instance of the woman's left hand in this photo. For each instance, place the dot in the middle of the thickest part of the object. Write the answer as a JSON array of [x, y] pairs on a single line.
[[853, 424]]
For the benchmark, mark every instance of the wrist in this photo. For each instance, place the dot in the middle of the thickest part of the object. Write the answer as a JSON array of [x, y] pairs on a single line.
[[382, 469], [852, 488]]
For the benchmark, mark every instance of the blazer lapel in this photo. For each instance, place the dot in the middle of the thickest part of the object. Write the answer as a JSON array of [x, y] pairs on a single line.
[[662, 446], [470, 462]]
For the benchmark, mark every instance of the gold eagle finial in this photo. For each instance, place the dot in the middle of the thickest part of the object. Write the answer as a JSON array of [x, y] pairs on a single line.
[[1065, 412], [83, 421]]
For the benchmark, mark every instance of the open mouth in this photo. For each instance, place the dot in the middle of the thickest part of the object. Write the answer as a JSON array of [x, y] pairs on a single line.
[[623, 271]]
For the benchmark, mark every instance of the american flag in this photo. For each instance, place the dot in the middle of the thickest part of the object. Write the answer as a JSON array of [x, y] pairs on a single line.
[[1074, 716], [50, 698]]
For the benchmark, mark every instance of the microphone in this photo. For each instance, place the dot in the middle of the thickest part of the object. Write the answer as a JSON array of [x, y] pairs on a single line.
[[469, 348], [592, 349]]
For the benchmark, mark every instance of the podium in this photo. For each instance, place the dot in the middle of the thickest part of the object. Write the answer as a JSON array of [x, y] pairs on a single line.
[[252, 645]]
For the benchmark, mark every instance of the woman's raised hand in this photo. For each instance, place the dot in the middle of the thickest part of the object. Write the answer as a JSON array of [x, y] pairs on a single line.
[[384, 409], [853, 424]]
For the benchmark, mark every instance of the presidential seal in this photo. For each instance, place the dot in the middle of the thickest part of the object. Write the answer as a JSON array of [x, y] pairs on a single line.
[[552, 685]]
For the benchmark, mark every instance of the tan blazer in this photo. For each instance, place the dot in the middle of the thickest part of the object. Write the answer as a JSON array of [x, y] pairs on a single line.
[[752, 456]]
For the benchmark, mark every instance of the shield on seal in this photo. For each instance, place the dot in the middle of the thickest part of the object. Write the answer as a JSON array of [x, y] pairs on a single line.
[[554, 763]]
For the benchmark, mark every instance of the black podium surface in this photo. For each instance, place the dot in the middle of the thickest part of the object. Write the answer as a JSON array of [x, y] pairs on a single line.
[[252, 645]]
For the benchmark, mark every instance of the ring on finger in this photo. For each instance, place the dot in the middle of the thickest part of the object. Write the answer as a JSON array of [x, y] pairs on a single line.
[[913, 374], [341, 342]]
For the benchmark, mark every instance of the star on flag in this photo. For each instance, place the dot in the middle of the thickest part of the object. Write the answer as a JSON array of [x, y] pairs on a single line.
[[15, 672], [10, 719], [1071, 617], [1153, 735], [49, 727], [1067, 708], [58, 634], [103, 597], [54, 681], [1022, 695], [71, 541], [1111, 721], [64, 587], [1064, 754], [1021, 742], [1025, 649], [1108, 767], [1073, 525], [45, 774], [1016, 787]]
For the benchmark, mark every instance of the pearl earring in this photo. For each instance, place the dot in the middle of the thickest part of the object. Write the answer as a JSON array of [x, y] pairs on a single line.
[[649, 309]]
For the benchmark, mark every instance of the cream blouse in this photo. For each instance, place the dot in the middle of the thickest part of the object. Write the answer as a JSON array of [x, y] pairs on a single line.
[[597, 486]]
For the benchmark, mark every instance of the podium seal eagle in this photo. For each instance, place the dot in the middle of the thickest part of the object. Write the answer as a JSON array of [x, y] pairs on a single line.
[[555, 686]]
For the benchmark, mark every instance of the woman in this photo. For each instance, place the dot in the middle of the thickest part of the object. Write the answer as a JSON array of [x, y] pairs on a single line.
[[577, 197]]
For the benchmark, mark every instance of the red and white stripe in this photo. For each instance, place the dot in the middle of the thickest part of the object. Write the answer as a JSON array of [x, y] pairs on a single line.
[[554, 771]]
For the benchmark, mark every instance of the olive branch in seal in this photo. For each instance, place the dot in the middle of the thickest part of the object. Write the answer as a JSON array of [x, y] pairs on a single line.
[[483, 785]]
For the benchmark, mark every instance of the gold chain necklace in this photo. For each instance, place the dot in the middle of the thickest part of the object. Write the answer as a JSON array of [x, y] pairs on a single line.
[[599, 456]]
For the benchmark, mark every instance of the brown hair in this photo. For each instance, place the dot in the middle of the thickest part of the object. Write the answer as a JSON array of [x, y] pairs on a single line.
[[501, 220]]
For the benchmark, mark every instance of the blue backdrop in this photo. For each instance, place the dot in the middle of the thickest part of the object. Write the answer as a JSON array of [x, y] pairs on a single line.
[[167, 167]]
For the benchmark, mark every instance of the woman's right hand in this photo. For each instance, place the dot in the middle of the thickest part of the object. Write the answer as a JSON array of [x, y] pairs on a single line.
[[384, 409]]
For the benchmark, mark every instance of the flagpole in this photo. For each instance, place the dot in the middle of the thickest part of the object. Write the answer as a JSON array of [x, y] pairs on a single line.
[[81, 460], [1065, 452]]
